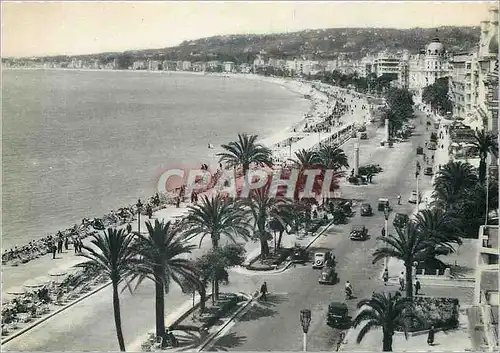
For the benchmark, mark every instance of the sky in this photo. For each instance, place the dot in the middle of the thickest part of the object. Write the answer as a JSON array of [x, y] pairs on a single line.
[[74, 27]]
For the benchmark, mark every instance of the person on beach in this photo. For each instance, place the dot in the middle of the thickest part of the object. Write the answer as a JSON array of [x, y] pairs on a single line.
[[385, 277]]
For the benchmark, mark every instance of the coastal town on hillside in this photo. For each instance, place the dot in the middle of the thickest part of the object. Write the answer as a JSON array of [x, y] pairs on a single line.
[[369, 225]]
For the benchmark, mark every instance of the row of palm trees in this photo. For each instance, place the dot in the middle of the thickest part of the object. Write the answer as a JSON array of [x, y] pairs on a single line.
[[159, 255]]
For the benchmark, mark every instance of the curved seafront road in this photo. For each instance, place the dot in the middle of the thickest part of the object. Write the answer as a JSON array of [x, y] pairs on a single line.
[[275, 325]]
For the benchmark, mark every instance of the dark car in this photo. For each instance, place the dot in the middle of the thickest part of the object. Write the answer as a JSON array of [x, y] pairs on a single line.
[[420, 150], [382, 204], [328, 276], [337, 315], [432, 146], [362, 128], [428, 171], [400, 220], [363, 136], [366, 209], [300, 255], [358, 233]]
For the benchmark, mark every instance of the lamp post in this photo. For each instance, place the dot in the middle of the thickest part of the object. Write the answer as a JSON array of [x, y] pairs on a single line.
[[386, 225], [139, 207], [417, 174], [305, 320]]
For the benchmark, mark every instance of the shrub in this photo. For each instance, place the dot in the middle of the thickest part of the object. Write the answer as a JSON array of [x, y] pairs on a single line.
[[440, 312], [225, 308]]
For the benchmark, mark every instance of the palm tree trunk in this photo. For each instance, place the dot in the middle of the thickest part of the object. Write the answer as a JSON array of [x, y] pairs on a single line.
[[215, 283], [159, 304], [409, 280], [279, 239], [387, 342], [482, 170], [203, 298], [118, 319], [264, 246]]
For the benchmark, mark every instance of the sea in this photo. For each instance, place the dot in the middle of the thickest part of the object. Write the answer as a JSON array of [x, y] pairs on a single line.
[[77, 144]]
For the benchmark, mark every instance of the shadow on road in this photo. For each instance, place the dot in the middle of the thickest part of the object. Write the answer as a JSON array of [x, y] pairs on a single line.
[[187, 339], [227, 342], [263, 308]]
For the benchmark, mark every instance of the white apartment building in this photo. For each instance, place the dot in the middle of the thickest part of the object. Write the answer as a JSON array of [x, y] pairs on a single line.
[[386, 64], [186, 65], [462, 86]]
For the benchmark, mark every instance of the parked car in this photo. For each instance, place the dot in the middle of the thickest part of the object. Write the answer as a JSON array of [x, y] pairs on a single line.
[[362, 128], [328, 276], [366, 209], [321, 258], [383, 203], [413, 197], [420, 150], [363, 136], [428, 171], [400, 220], [300, 255], [337, 315], [358, 233], [431, 146]]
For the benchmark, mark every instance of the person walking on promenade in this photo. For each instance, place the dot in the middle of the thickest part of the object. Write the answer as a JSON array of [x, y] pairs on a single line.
[[402, 281], [382, 232], [399, 199], [59, 244], [54, 250], [385, 276], [263, 291], [430, 336], [75, 244], [66, 243], [417, 286]]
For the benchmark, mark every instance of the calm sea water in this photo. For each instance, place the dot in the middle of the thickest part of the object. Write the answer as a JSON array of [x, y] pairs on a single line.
[[76, 144]]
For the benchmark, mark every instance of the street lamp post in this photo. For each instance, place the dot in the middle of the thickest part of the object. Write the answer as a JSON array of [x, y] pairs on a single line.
[[417, 174], [139, 207], [386, 216], [305, 320]]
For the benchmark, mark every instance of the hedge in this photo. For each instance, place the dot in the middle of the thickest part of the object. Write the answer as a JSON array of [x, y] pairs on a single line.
[[442, 313]]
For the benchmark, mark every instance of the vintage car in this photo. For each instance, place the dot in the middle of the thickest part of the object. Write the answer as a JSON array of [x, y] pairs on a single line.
[[363, 136], [328, 276], [337, 315], [432, 146], [362, 128], [413, 197], [420, 150], [366, 209], [299, 255], [382, 204], [358, 233], [428, 171], [400, 220], [321, 258]]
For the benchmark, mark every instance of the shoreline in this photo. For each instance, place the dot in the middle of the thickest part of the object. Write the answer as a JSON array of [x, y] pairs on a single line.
[[305, 89]]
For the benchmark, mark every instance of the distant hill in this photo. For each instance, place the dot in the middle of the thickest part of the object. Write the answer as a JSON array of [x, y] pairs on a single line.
[[320, 44]]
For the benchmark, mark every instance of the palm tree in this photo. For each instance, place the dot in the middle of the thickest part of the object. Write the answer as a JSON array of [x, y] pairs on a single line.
[[161, 260], [451, 181], [115, 257], [263, 207], [216, 217], [409, 245], [332, 157], [439, 226], [244, 152], [486, 143], [390, 312], [306, 159]]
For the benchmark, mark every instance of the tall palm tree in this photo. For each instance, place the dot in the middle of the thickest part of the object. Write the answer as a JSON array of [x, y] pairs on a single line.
[[161, 253], [114, 255], [389, 311], [332, 157], [409, 245], [451, 181], [216, 217], [486, 143], [439, 226], [244, 152], [263, 207]]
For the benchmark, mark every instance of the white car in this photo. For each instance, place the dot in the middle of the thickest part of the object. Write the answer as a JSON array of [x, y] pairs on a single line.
[[320, 258], [413, 197]]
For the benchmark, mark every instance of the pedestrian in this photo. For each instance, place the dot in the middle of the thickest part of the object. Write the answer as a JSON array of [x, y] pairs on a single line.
[[129, 228], [399, 199], [149, 211], [178, 202], [383, 231], [402, 281], [59, 245], [66, 243], [430, 336], [54, 250], [386, 277], [263, 291], [417, 286]]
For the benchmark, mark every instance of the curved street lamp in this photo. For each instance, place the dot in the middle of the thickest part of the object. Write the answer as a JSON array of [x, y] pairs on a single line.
[[305, 321], [139, 207]]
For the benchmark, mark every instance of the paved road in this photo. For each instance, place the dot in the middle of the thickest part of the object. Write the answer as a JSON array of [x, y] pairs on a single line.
[[275, 325]]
